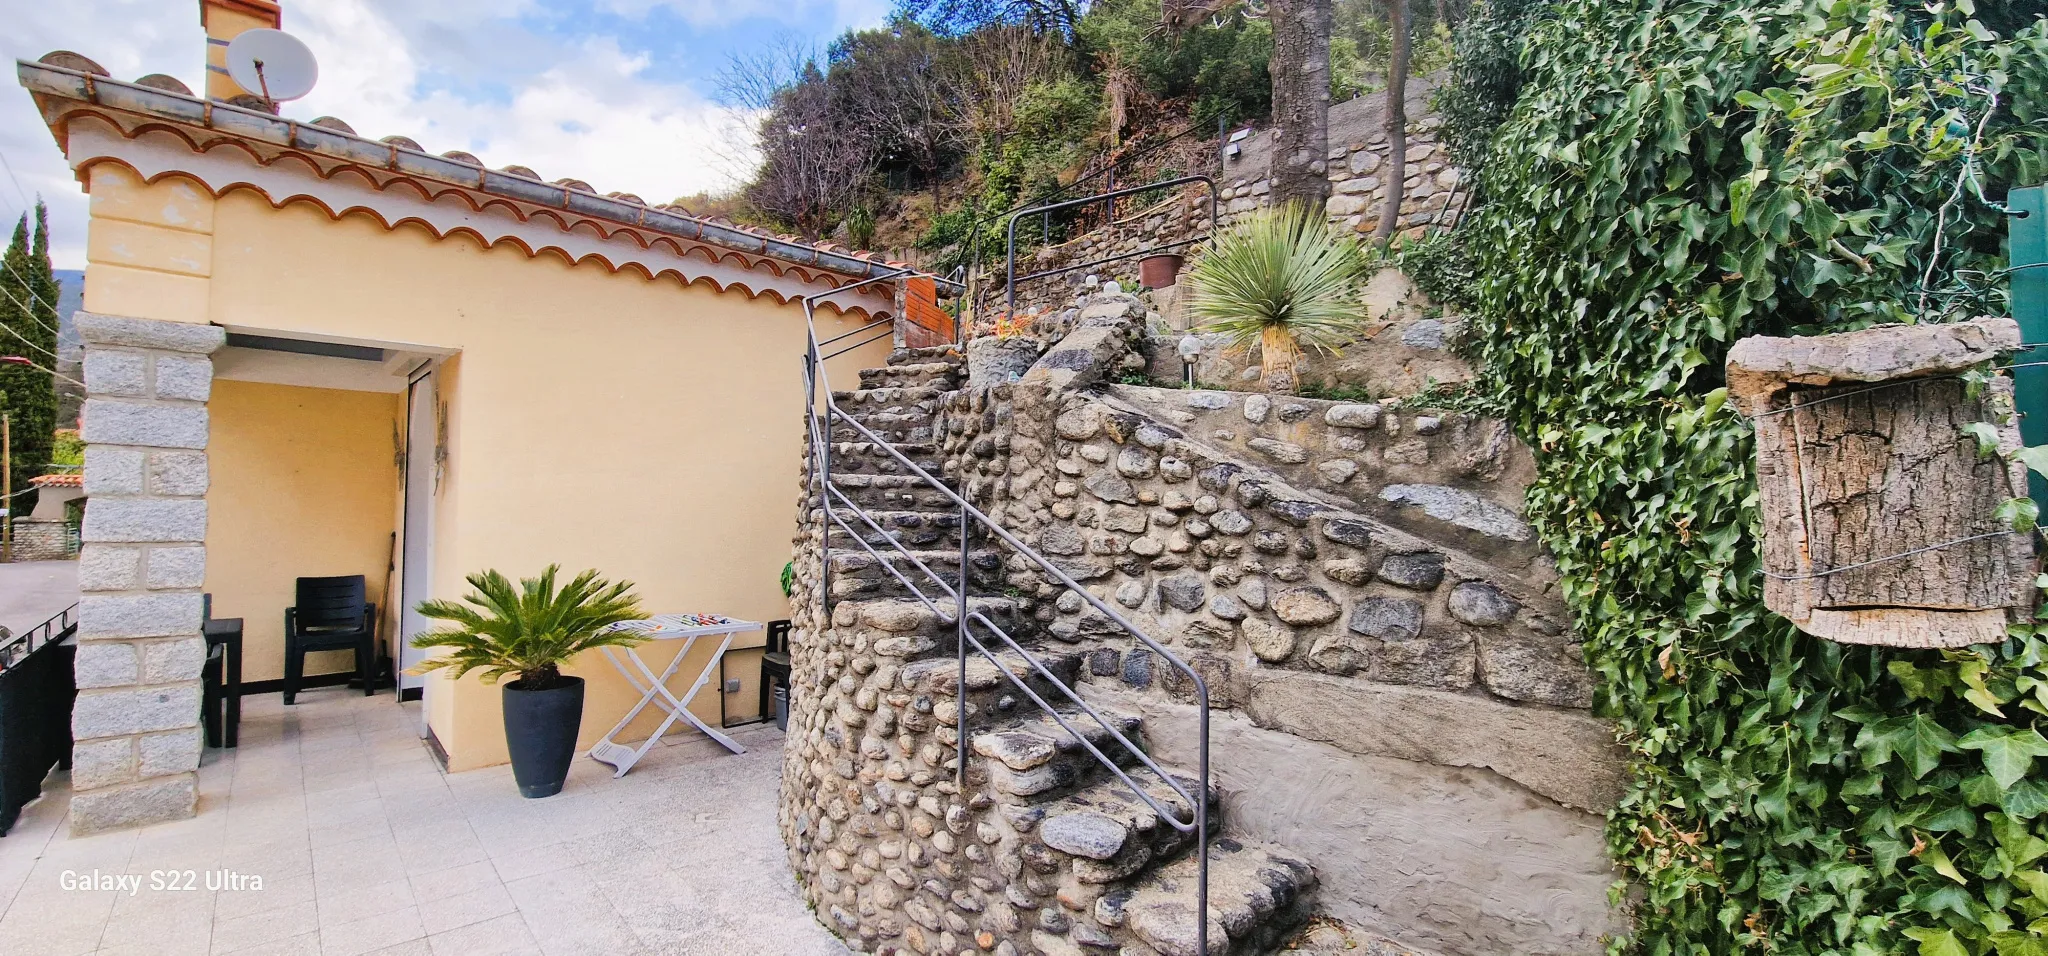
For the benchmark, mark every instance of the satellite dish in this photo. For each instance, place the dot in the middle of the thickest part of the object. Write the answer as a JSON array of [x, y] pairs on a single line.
[[272, 64]]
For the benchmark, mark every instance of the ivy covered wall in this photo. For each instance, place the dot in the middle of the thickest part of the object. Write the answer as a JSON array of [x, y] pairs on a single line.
[[1672, 176]]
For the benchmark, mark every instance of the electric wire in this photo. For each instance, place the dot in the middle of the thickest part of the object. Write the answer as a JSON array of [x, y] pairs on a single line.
[[38, 346], [17, 182], [30, 289]]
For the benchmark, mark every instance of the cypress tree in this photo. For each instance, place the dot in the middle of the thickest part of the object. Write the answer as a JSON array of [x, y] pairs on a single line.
[[28, 310]]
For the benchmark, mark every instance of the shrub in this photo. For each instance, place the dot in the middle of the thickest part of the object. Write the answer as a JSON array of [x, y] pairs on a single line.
[[1279, 280], [529, 631], [1673, 176]]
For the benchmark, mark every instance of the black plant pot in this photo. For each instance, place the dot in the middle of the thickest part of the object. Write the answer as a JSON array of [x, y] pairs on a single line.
[[540, 732]]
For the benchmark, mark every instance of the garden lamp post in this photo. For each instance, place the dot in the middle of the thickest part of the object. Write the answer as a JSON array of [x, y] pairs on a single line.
[[1190, 349]]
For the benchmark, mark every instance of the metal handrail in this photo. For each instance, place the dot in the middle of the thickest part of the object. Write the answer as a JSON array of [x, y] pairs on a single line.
[[820, 473], [59, 626], [1010, 278]]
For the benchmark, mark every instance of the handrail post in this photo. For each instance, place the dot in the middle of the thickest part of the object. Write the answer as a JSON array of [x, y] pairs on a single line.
[[960, 646], [1202, 823]]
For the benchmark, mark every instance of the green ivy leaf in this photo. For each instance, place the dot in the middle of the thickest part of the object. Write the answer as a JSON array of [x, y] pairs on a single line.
[[2035, 882], [1986, 435], [1916, 739], [1937, 942], [2008, 752], [2019, 514], [1922, 683], [2026, 800], [2034, 457]]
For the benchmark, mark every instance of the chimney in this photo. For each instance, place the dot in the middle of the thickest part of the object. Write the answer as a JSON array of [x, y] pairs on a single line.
[[224, 20]]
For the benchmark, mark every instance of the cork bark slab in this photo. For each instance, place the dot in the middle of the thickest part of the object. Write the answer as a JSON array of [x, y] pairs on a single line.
[[1879, 514]]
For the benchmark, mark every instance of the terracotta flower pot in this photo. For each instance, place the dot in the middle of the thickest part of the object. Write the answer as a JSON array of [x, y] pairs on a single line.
[[1159, 271]]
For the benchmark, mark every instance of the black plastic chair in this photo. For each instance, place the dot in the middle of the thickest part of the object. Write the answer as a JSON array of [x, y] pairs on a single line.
[[221, 679], [774, 665], [331, 615]]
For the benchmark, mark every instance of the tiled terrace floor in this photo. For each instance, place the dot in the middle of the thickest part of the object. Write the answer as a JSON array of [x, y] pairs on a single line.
[[364, 846]]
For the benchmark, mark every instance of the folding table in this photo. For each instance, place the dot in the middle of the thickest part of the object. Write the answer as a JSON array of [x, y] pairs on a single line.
[[687, 628]]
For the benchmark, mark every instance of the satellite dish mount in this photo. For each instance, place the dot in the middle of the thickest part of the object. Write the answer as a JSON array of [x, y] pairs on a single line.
[[272, 63]]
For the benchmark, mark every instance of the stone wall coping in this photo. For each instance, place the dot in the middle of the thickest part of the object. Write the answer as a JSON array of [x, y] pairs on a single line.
[[1761, 366], [119, 330], [1564, 755]]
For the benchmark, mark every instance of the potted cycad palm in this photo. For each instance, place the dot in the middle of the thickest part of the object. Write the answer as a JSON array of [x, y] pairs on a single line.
[[528, 632], [1280, 280]]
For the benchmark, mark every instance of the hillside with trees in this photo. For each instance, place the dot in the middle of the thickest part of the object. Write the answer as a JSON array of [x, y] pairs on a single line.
[[901, 138]]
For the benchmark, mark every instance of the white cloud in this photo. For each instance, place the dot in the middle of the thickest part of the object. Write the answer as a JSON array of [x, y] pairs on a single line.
[[591, 114], [152, 38], [455, 74]]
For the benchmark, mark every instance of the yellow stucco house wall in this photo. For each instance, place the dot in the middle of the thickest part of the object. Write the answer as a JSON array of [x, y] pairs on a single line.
[[614, 386]]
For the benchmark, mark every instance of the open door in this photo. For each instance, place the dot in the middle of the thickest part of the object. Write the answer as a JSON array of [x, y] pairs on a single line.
[[416, 580]]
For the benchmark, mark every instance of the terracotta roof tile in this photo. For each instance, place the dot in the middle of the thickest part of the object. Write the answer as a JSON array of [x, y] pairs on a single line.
[[72, 480], [159, 81], [67, 60]]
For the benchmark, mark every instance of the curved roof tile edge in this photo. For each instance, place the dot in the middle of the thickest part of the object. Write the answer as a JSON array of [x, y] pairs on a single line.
[[276, 130]]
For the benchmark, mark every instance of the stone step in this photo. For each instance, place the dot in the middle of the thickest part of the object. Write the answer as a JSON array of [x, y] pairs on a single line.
[[1105, 832], [925, 397], [927, 354], [944, 375], [911, 616], [858, 574], [1259, 894], [987, 688], [911, 529], [890, 493], [898, 430], [868, 458], [907, 630], [1034, 756]]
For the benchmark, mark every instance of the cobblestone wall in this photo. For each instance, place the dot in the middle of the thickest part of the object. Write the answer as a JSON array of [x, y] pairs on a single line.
[[1357, 168], [1399, 707], [1371, 613]]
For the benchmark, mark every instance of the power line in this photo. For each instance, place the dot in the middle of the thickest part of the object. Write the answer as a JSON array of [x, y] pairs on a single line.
[[29, 288], [52, 372], [4, 164], [36, 345]]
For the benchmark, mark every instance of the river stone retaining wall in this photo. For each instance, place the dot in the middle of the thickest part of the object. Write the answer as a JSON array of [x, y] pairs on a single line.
[[1399, 700], [1399, 695], [1357, 167]]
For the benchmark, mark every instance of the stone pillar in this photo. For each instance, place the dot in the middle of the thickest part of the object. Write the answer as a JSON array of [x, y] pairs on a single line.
[[141, 566]]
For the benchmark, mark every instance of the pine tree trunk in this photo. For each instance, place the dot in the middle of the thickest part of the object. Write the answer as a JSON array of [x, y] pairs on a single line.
[[1301, 101], [1397, 121]]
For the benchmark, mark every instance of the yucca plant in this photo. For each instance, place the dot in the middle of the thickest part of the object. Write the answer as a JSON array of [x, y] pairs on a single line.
[[1280, 280], [529, 630]]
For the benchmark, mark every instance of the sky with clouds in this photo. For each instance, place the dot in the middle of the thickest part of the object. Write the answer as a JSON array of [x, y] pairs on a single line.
[[618, 93]]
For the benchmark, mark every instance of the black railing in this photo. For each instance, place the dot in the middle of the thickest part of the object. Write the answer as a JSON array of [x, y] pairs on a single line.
[[36, 690], [1010, 277], [823, 416]]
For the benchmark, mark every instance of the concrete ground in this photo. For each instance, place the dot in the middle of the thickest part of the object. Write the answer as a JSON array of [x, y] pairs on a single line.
[[32, 591], [363, 845]]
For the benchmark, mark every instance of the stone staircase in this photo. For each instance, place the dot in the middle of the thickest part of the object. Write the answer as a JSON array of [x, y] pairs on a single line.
[[1088, 867], [898, 402]]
